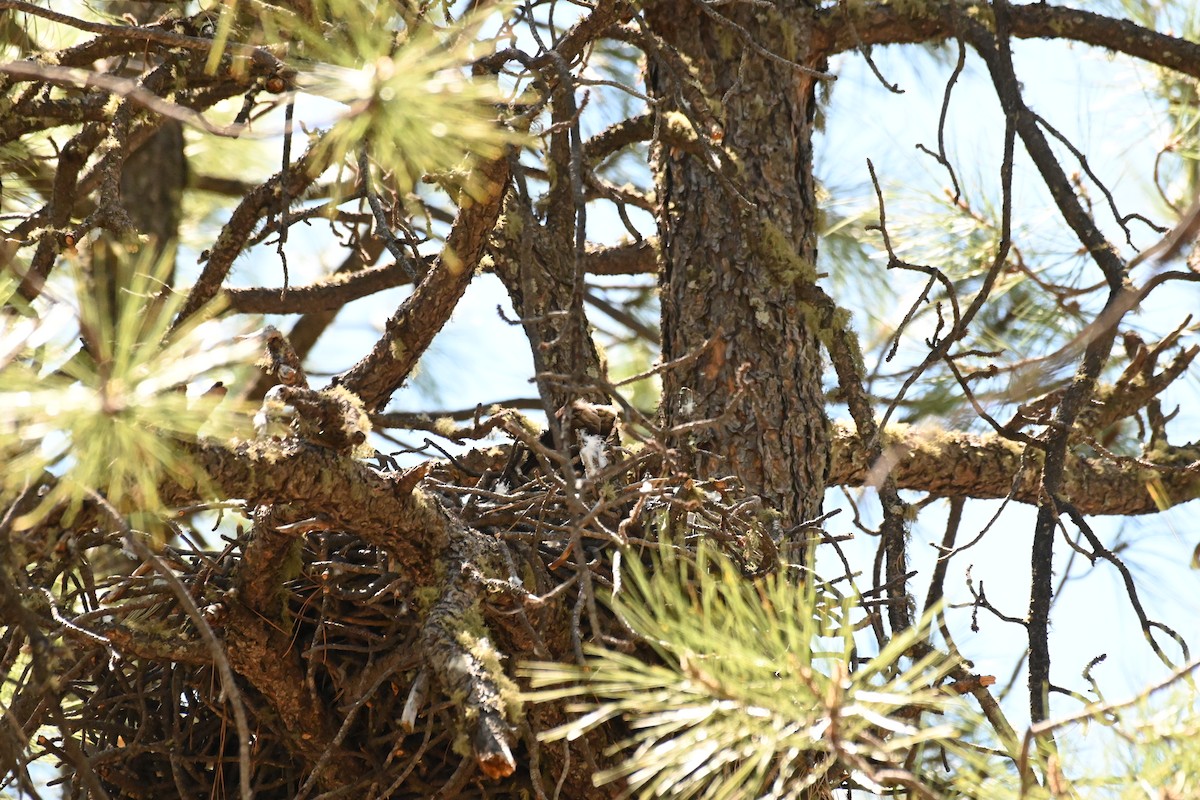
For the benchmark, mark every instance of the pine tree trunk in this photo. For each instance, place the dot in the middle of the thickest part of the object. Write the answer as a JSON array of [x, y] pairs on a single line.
[[152, 184], [733, 265], [153, 178]]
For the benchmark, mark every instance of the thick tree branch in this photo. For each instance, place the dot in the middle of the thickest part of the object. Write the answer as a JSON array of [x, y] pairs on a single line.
[[617, 137], [384, 512], [989, 467], [130, 89], [155, 645], [982, 466], [57, 213], [846, 356], [877, 23], [467, 664], [635, 258]]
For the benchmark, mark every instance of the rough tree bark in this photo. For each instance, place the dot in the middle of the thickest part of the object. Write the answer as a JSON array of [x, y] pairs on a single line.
[[152, 180], [737, 245]]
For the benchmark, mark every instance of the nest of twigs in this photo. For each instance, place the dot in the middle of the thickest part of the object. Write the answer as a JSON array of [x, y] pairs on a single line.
[[130, 689], [150, 726]]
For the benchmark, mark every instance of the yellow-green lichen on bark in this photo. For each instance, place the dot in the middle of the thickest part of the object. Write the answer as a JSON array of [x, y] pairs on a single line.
[[423, 597], [292, 566], [983, 14], [355, 421], [832, 325], [778, 254], [451, 260], [509, 697], [678, 127], [269, 450], [840, 327], [398, 349], [792, 28], [727, 44]]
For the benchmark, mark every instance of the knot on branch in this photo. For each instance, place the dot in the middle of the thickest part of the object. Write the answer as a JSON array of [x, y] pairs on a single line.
[[333, 418]]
